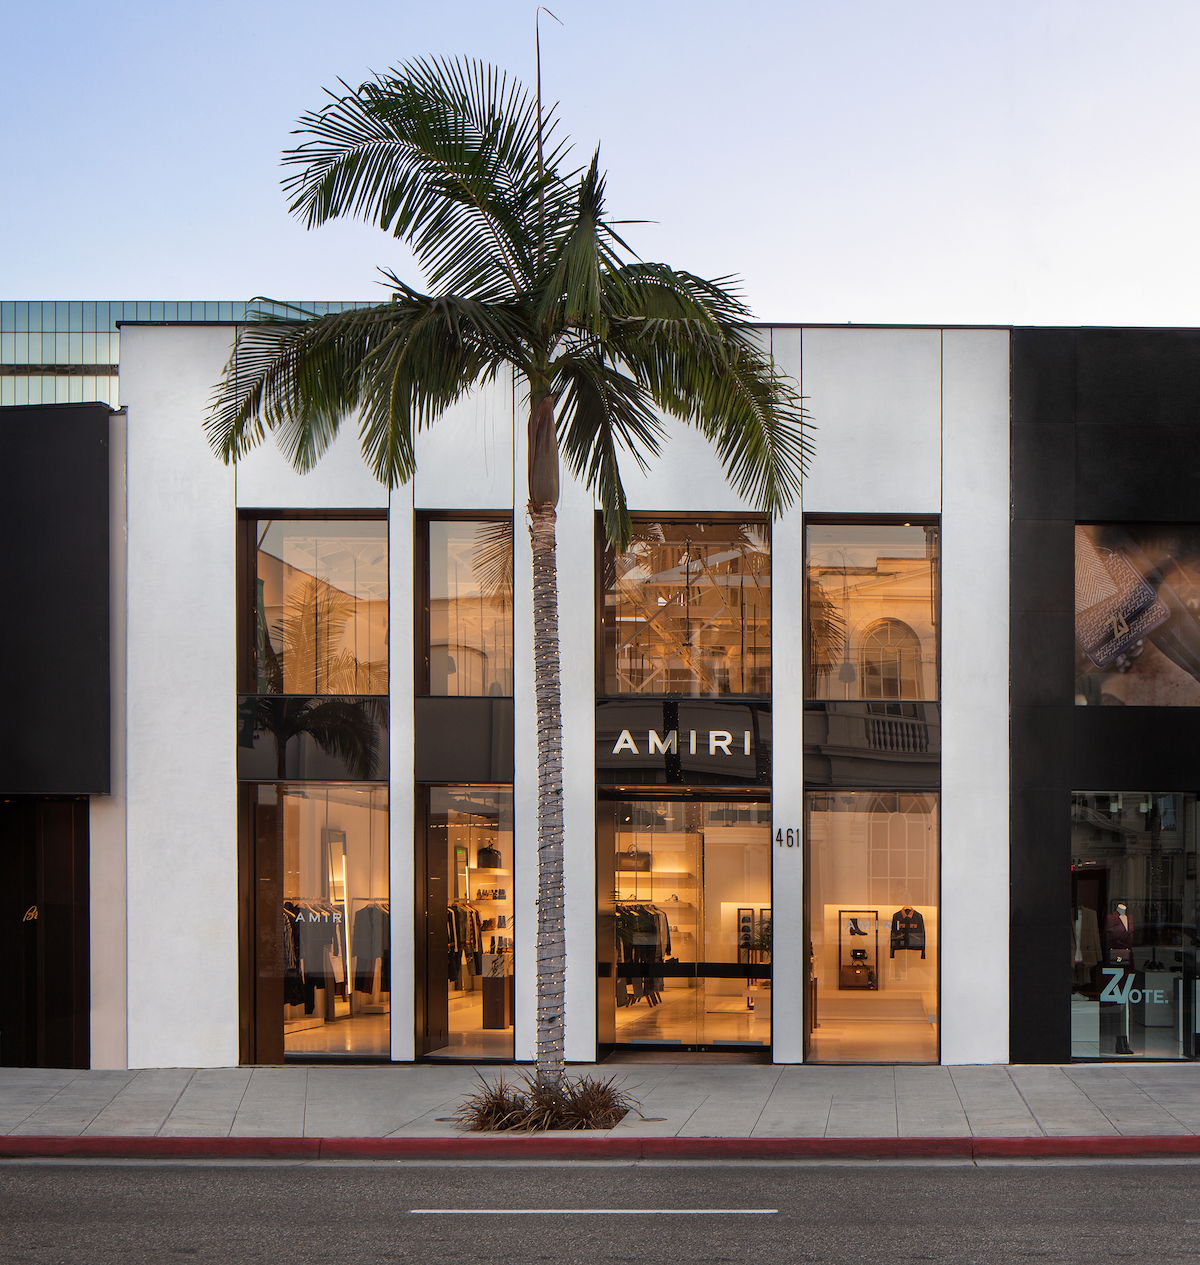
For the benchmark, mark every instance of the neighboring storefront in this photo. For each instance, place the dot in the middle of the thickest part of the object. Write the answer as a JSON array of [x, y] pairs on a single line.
[[904, 776]]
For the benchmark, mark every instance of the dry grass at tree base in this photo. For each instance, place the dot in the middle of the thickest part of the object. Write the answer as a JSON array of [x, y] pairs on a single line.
[[531, 1105]]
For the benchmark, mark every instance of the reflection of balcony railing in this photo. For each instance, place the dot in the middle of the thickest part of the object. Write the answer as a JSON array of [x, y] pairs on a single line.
[[885, 733]]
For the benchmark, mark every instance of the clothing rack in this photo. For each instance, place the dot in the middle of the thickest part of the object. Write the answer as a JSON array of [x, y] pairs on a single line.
[[643, 935]]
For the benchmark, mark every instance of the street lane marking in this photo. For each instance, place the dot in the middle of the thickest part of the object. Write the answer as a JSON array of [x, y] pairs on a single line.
[[595, 1212]]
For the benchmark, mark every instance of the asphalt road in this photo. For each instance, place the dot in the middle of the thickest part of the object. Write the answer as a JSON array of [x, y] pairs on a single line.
[[293, 1214]]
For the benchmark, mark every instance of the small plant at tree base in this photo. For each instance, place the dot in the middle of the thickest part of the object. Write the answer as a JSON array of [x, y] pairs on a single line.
[[536, 1103]]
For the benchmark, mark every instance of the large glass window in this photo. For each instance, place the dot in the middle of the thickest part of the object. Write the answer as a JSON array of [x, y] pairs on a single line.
[[469, 922], [1133, 925], [470, 645], [1137, 603], [322, 934], [872, 916], [692, 922], [872, 611], [321, 623], [687, 610]]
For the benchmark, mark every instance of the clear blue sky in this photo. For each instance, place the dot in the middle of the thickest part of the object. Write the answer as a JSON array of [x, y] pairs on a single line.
[[1003, 162]]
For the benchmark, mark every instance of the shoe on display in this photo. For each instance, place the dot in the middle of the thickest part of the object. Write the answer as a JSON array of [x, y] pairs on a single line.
[[855, 929]]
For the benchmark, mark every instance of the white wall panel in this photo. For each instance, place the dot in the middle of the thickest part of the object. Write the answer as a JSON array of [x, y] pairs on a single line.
[[106, 813], [975, 714], [875, 398], [402, 792], [465, 461], [687, 476], [181, 707], [790, 956], [266, 479]]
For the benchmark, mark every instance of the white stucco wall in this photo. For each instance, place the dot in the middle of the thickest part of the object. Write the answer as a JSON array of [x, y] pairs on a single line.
[[975, 707], [181, 779], [908, 421]]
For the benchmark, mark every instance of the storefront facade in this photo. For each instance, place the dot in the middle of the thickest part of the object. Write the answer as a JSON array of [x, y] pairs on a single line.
[[791, 829]]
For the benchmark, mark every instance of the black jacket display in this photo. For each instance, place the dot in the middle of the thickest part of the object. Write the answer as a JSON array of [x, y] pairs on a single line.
[[908, 930]]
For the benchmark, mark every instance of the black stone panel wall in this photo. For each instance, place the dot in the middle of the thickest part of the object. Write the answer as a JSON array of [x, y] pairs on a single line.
[[54, 637], [1105, 428]]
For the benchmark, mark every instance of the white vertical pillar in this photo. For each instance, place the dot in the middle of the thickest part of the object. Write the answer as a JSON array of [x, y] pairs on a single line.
[[975, 714], [789, 952], [402, 786], [106, 813]]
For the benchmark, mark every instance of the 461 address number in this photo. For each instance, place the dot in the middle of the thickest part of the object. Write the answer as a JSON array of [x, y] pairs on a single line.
[[789, 838]]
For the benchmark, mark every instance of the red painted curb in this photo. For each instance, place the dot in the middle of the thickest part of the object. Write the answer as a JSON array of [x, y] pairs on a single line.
[[574, 1147]]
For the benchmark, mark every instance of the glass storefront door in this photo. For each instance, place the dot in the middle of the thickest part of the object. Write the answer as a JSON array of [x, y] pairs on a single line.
[[321, 921], [872, 927], [469, 900], [1133, 925], [686, 887]]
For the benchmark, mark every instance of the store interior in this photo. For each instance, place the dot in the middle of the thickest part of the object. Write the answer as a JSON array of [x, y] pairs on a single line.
[[1133, 925], [335, 918], [469, 919], [872, 927], [693, 894]]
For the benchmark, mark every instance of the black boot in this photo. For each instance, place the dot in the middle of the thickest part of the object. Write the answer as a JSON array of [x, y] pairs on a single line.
[[855, 929], [1123, 1046]]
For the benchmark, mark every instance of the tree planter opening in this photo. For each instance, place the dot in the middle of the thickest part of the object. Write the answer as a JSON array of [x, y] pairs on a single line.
[[533, 1104]]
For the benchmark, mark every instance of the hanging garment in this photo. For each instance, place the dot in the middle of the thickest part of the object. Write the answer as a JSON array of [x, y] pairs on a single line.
[[908, 930], [370, 941], [1086, 949]]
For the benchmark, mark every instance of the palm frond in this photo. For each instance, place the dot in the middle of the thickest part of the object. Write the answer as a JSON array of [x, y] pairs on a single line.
[[603, 412], [687, 342], [401, 363], [442, 154]]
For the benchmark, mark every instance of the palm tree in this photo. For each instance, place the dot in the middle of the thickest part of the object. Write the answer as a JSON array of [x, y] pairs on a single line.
[[524, 274]]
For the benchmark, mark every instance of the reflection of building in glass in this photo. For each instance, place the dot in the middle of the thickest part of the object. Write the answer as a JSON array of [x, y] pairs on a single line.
[[687, 610], [470, 608], [872, 607], [322, 607]]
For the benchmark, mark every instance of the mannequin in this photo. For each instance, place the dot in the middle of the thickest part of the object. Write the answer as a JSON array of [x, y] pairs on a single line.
[[1118, 930]]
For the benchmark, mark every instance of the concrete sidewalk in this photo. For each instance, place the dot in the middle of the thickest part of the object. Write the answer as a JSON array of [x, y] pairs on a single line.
[[682, 1101]]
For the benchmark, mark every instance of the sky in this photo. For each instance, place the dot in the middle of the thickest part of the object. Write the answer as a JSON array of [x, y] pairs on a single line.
[[975, 162]]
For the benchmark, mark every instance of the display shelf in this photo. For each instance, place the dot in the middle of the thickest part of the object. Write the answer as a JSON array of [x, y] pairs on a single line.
[[474, 869]]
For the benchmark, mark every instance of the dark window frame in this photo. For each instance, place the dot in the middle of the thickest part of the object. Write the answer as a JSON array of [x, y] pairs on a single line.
[[246, 571]]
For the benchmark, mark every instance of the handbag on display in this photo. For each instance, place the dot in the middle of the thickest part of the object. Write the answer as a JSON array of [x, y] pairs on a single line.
[[1114, 604], [857, 975], [488, 859], [633, 859]]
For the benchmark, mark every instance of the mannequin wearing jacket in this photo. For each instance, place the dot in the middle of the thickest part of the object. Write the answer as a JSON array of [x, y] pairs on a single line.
[[1118, 930], [1086, 949]]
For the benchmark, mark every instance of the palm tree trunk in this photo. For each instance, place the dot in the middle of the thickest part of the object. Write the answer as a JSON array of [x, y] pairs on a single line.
[[551, 936]]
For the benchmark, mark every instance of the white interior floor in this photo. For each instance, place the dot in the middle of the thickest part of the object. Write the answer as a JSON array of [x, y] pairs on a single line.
[[696, 1016], [886, 1027]]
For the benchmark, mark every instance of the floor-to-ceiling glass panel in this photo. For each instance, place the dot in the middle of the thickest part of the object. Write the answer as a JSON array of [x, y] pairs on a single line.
[[872, 921], [1133, 925], [692, 882], [687, 610], [469, 922], [321, 607], [323, 917], [470, 607]]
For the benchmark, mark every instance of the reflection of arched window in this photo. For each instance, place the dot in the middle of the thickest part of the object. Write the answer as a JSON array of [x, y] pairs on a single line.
[[890, 654]]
